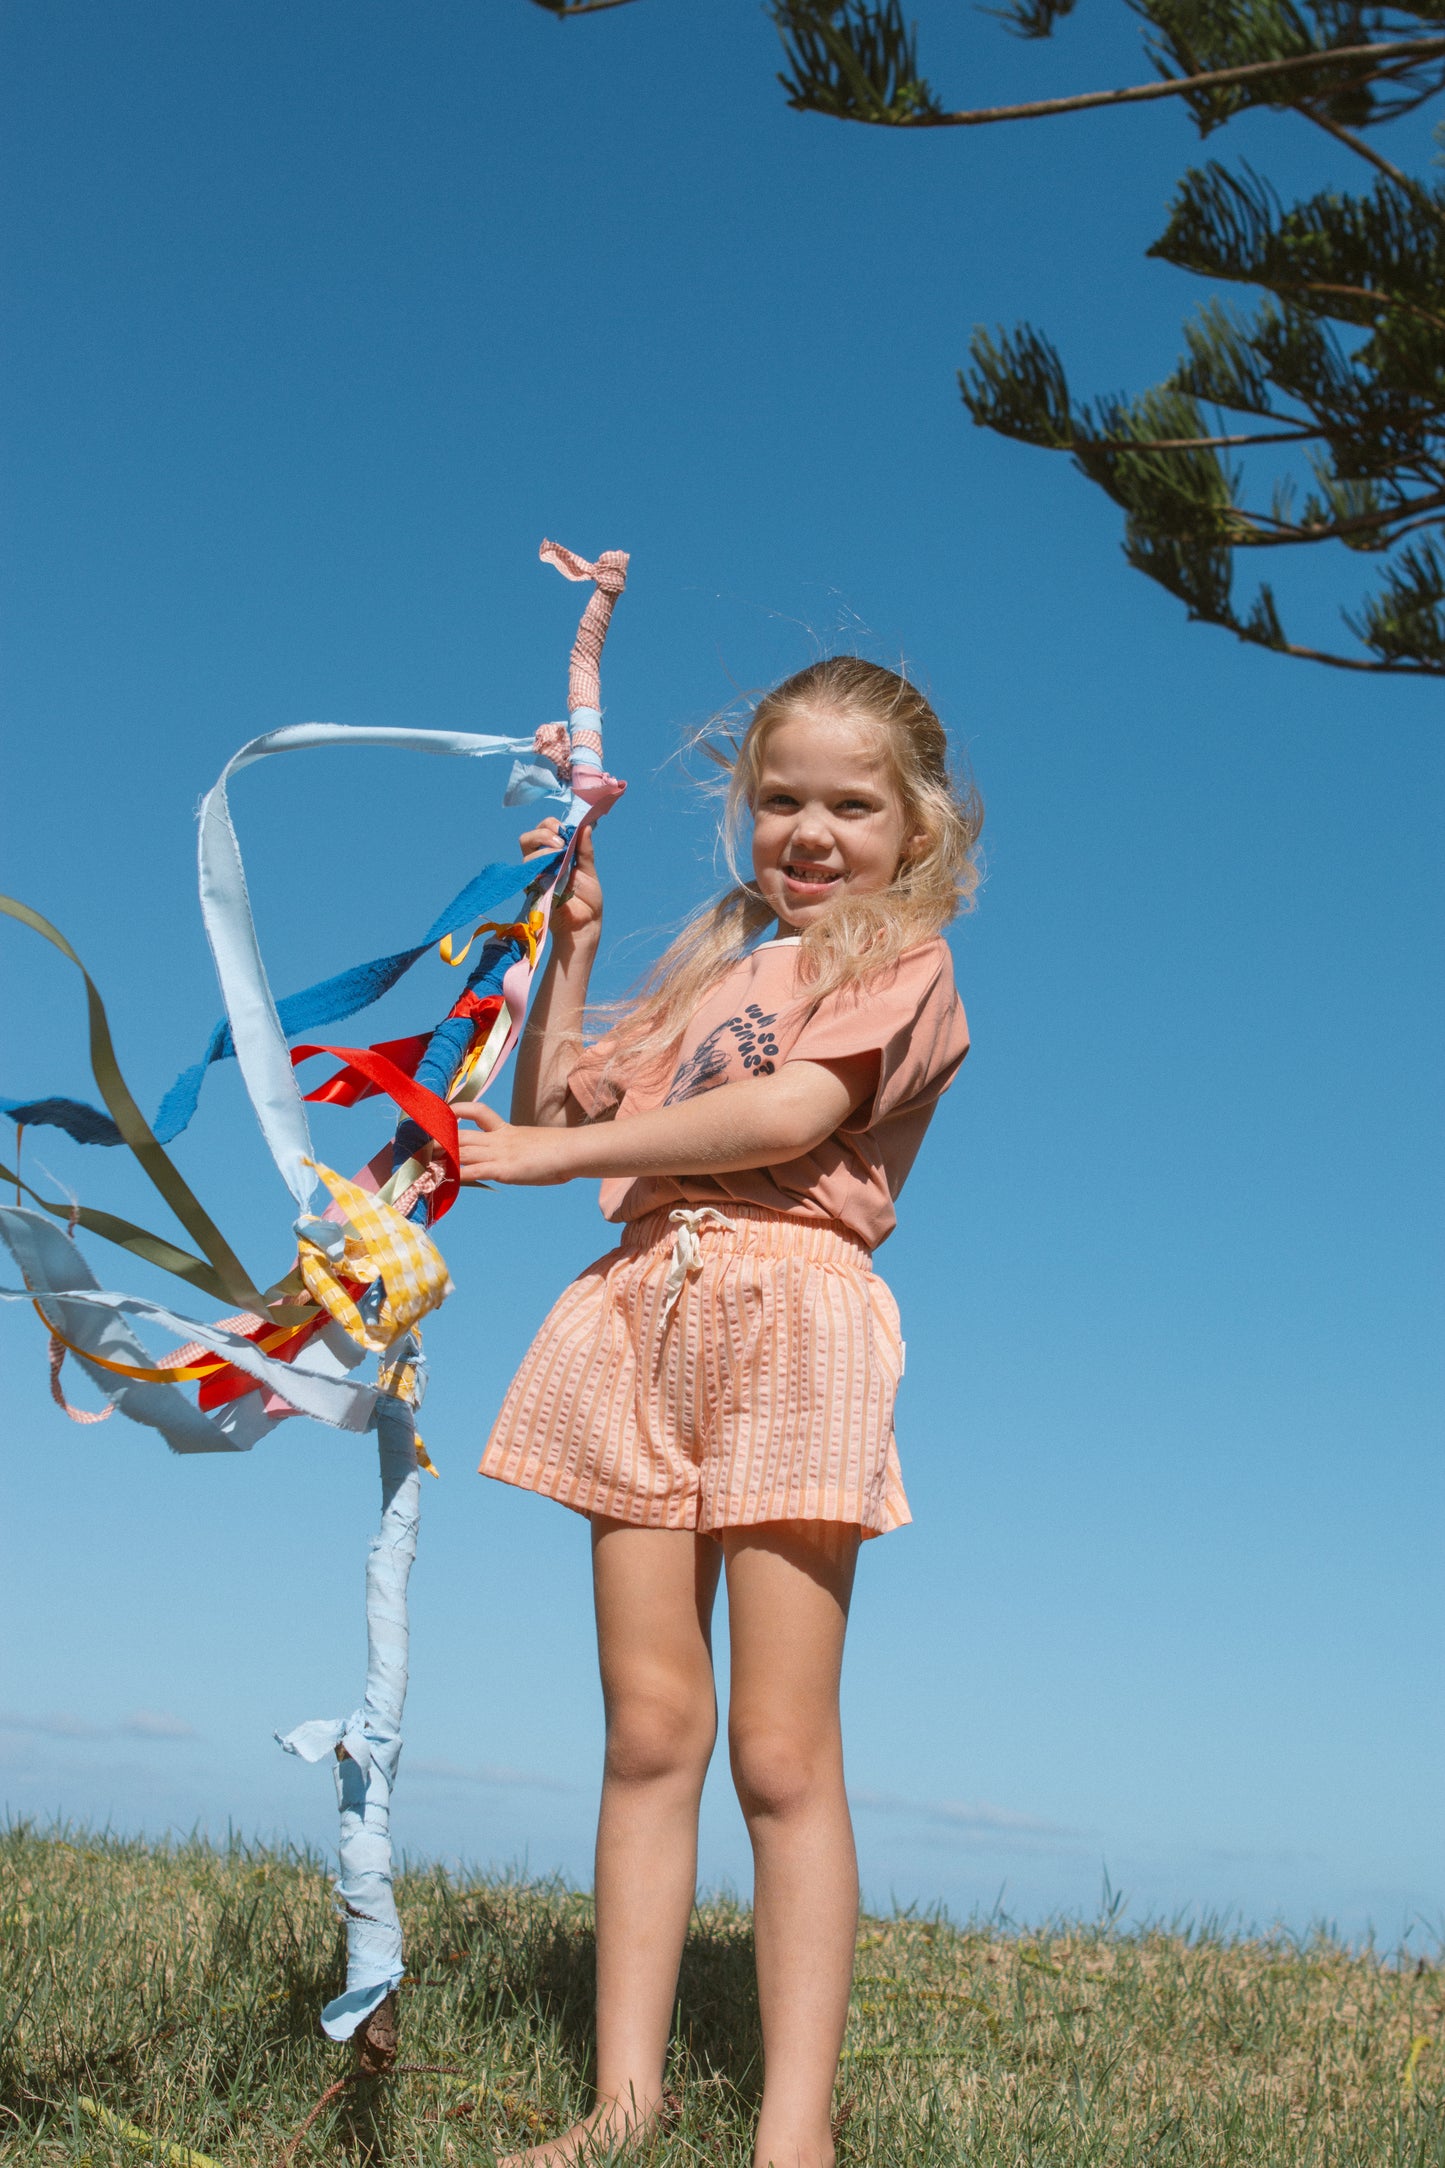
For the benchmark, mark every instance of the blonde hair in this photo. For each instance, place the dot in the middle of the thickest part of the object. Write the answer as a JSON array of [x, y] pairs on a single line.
[[860, 936]]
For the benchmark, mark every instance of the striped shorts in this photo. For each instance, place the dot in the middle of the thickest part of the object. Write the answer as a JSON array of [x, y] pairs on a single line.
[[717, 1370]]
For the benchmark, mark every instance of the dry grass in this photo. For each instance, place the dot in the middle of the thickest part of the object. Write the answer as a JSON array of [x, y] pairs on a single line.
[[177, 1988]]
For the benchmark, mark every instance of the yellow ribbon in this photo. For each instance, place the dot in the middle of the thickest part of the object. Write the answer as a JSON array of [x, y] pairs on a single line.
[[142, 2141], [528, 930], [178, 1373]]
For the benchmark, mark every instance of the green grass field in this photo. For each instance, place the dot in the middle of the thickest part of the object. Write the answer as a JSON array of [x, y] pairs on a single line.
[[166, 1998]]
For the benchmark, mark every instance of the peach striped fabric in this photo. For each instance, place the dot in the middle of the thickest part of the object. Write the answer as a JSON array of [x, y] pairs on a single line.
[[767, 1394]]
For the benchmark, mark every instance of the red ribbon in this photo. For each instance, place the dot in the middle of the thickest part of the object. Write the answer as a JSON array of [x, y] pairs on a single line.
[[426, 1110], [349, 1084], [229, 1383]]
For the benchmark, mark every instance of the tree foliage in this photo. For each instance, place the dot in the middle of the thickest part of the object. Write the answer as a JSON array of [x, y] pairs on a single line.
[[1339, 365]]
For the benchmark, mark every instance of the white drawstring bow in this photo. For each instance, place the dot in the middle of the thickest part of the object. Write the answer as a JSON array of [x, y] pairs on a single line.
[[687, 1250]]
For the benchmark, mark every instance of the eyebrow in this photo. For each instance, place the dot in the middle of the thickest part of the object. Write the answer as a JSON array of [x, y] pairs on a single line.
[[863, 787]]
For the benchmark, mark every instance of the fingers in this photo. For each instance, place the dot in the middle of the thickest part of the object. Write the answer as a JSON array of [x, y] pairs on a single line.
[[546, 837], [484, 1116], [506, 1153], [541, 841]]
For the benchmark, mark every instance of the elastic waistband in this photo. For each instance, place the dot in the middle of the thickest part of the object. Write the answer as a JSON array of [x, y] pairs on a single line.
[[753, 1228]]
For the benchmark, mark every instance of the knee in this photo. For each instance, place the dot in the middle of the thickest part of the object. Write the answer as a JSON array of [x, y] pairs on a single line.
[[655, 1735], [777, 1774]]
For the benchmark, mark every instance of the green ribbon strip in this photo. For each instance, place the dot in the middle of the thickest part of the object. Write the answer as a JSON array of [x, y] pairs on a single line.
[[139, 1240], [142, 2141], [230, 1281]]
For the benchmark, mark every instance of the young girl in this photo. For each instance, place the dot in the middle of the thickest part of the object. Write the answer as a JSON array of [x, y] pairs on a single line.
[[716, 1394]]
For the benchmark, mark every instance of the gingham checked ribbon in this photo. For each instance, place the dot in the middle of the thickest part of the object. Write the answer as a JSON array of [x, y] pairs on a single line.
[[373, 1243]]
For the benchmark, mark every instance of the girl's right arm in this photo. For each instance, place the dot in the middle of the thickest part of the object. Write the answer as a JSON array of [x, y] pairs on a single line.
[[552, 1040]]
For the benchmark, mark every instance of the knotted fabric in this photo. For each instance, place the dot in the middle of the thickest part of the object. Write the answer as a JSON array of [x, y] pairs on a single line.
[[551, 742], [609, 577], [372, 1243]]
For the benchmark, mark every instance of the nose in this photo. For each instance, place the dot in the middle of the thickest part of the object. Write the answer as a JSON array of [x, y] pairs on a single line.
[[811, 830]]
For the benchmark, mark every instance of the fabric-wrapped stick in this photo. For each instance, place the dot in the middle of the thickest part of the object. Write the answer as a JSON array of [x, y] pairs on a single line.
[[462, 1056]]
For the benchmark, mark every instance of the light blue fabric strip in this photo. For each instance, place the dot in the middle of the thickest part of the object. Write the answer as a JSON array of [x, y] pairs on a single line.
[[534, 781], [225, 907], [93, 1318], [332, 1353], [584, 756], [371, 1739], [47, 1258], [534, 777]]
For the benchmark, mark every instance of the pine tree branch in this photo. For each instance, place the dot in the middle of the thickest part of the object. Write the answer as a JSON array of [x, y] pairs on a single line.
[[1353, 662], [1336, 530], [1177, 85], [1201, 444], [1358, 293], [1367, 151], [1416, 526]]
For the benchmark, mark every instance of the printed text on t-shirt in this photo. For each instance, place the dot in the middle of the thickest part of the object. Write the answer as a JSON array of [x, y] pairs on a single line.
[[707, 1065]]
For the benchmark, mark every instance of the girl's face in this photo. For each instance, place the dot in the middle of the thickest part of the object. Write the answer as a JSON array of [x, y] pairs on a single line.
[[827, 818]]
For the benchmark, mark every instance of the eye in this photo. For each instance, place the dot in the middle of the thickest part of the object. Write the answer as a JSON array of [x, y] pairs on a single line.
[[855, 805], [777, 801]]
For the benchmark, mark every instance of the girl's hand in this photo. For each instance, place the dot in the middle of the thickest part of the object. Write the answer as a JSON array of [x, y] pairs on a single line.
[[579, 911], [499, 1151]]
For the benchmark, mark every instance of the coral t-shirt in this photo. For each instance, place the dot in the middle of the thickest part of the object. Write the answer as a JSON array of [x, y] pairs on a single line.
[[755, 1019]]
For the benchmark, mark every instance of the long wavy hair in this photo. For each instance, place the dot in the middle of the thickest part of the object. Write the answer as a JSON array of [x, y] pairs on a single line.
[[859, 936]]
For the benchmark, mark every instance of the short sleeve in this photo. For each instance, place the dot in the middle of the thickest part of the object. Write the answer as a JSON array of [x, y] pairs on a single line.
[[596, 1087], [911, 1018]]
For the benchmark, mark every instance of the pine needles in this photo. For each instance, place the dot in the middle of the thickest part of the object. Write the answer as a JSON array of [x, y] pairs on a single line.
[[1344, 357]]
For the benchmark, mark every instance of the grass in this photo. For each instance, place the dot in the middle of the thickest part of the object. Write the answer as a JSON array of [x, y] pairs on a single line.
[[174, 1989]]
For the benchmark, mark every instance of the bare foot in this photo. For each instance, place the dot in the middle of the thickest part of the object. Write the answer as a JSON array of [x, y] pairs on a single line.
[[791, 2153], [596, 2139]]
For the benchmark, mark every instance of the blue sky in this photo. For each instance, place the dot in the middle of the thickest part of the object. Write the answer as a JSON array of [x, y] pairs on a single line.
[[318, 319]]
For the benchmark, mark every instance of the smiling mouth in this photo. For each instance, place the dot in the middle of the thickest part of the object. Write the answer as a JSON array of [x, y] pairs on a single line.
[[805, 876]]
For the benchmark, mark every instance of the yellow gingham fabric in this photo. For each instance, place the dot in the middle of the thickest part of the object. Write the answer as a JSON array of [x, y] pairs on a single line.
[[381, 1246], [399, 1377]]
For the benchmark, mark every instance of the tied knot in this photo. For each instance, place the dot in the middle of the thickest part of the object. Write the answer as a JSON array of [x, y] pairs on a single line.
[[686, 1259], [372, 1244], [551, 742], [609, 573]]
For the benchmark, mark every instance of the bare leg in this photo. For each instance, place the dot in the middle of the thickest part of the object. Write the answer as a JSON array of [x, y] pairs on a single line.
[[789, 1585], [654, 1591]]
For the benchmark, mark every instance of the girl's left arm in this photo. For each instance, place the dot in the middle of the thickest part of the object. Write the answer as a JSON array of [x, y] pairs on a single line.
[[755, 1122]]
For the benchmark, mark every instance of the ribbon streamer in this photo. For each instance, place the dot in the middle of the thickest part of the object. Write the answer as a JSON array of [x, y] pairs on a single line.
[[367, 1744], [256, 1029], [132, 1123], [329, 1001], [371, 1271], [92, 1322]]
